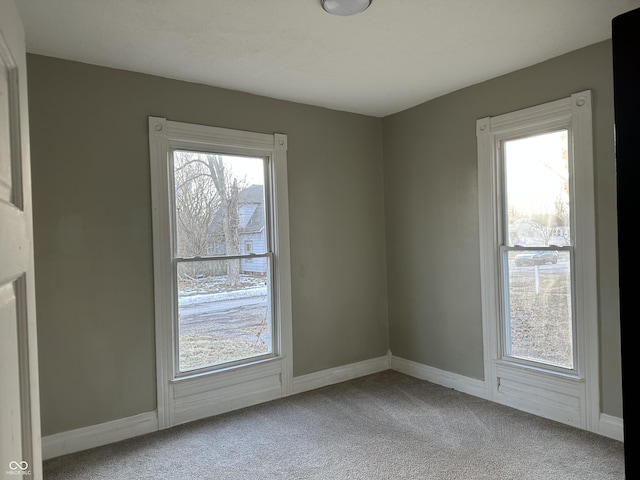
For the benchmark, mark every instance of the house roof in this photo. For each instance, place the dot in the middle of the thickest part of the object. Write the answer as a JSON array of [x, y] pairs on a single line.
[[251, 206]]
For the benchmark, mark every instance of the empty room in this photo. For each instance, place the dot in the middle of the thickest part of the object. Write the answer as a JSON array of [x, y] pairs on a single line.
[[356, 239]]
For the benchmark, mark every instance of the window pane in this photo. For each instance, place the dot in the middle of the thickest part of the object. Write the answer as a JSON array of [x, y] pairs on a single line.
[[537, 190], [219, 203], [223, 317], [539, 313]]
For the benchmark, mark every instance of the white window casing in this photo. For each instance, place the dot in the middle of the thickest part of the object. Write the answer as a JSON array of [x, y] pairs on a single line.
[[571, 396], [186, 397]]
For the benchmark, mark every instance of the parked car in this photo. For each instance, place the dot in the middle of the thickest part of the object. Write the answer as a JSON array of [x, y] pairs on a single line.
[[536, 257]]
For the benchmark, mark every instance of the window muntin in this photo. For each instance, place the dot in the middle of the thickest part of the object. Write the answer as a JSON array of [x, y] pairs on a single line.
[[536, 252], [220, 203]]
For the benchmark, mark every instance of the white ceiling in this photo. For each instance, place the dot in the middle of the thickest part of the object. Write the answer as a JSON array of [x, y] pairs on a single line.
[[397, 54]]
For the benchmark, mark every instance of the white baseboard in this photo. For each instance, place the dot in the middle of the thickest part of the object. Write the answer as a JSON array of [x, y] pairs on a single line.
[[612, 427], [609, 426], [331, 376], [461, 383], [114, 431], [84, 438]]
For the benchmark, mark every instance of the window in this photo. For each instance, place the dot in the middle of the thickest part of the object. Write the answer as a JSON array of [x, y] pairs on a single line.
[[539, 321], [224, 310], [535, 182], [248, 249], [221, 260]]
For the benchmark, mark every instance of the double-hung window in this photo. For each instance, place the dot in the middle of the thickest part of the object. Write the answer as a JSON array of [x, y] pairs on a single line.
[[537, 236], [221, 259]]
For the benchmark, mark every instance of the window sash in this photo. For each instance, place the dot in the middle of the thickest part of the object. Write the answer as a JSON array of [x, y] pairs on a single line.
[[271, 306], [505, 353], [267, 159], [524, 132]]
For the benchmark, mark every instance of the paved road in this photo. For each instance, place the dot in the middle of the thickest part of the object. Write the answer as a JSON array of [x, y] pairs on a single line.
[[239, 318]]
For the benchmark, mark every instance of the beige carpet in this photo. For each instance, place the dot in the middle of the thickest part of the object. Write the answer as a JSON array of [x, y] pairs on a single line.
[[383, 426]]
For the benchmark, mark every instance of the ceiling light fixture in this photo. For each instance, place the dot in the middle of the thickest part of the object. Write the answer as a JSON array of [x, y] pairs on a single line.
[[345, 7]]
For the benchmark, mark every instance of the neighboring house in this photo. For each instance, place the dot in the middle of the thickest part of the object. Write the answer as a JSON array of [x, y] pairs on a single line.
[[560, 236], [251, 230]]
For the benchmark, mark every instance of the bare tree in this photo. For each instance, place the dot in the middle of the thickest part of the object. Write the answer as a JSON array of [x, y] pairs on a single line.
[[207, 194], [228, 189], [196, 202], [544, 226]]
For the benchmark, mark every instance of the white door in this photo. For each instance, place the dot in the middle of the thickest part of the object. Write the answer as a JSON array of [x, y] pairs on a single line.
[[20, 450]]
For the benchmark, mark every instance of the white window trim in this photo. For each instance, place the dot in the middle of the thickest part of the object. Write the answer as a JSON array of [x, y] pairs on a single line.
[[567, 398], [186, 398]]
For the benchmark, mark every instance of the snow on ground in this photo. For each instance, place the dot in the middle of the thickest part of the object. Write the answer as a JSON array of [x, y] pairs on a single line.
[[196, 298]]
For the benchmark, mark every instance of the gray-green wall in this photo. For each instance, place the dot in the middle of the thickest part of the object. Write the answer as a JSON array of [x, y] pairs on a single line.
[[93, 244], [92, 222], [431, 195]]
